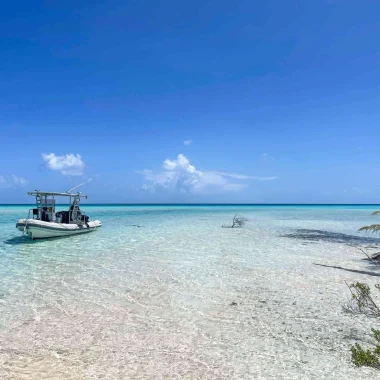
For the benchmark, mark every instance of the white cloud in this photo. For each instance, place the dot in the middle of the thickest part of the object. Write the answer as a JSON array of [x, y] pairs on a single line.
[[179, 175], [12, 181], [187, 142], [69, 164]]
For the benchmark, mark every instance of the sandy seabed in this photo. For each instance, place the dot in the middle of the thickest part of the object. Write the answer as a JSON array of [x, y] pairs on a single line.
[[184, 301]]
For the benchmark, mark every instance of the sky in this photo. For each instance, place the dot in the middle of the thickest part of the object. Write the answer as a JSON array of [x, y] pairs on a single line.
[[202, 101]]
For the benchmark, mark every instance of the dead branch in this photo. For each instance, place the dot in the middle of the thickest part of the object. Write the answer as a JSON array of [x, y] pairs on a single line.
[[237, 221]]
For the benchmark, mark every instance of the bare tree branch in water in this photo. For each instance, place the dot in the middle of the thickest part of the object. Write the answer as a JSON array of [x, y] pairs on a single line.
[[237, 221]]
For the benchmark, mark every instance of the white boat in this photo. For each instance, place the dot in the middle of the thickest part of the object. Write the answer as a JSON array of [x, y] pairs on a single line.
[[46, 222]]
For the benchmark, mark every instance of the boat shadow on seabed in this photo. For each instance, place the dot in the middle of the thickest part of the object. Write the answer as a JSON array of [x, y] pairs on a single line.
[[24, 239]]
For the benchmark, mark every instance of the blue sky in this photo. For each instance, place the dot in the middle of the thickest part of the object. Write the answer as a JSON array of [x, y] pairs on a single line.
[[277, 101]]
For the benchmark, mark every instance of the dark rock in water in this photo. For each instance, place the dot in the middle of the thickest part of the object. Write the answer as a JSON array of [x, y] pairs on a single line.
[[331, 237]]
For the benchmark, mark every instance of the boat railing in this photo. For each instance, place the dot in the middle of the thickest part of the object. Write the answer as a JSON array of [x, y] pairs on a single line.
[[26, 221], [34, 213]]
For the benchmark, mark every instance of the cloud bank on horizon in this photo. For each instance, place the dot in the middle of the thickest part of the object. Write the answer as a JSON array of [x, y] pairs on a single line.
[[180, 176]]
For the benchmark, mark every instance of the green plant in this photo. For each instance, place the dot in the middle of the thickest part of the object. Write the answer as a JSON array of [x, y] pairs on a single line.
[[372, 227], [363, 302], [367, 358]]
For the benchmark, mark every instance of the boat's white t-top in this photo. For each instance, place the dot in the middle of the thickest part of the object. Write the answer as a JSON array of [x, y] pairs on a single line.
[[43, 221]]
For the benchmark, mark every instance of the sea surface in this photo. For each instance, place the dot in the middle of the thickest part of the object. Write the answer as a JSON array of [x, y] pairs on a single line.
[[165, 292]]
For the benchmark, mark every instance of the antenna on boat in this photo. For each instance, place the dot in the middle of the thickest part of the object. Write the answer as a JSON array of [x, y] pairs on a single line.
[[69, 191]]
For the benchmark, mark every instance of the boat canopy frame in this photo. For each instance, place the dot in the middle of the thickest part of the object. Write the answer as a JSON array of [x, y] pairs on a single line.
[[45, 203], [45, 193]]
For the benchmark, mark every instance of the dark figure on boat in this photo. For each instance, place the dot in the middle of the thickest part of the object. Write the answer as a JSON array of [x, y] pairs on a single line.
[[45, 215]]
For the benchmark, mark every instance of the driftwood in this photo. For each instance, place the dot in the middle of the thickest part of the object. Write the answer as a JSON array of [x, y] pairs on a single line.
[[237, 221]]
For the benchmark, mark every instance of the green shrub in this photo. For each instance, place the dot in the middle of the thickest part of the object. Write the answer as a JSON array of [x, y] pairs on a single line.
[[367, 358], [361, 296]]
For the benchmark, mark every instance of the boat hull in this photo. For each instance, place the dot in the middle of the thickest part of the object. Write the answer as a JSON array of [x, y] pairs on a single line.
[[37, 229]]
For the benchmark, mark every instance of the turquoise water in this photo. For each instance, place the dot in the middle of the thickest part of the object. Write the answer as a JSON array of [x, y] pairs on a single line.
[[151, 294]]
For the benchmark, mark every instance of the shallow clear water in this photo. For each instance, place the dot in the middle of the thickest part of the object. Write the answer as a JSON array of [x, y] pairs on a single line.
[[165, 292]]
